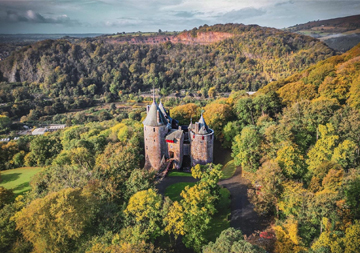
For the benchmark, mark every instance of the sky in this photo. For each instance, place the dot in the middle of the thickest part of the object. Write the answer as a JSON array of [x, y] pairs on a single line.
[[112, 16]]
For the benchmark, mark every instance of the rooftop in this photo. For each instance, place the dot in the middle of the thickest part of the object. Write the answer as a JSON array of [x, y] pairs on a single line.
[[151, 118]]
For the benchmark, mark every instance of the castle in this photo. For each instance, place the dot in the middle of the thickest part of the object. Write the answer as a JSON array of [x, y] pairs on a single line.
[[165, 139]]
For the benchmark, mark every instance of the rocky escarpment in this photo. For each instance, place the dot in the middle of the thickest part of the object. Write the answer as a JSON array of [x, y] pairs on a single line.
[[201, 38]]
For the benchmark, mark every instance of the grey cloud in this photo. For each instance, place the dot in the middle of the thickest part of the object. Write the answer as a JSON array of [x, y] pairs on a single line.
[[240, 15], [33, 17], [186, 14], [284, 3]]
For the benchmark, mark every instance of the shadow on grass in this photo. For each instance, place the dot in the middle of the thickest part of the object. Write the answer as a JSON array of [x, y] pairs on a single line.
[[5, 178], [174, 190], [221, 155], [22, 188]]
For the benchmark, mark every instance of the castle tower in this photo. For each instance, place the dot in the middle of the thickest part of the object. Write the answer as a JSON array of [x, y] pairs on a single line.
[[156, 128], [201, 142]]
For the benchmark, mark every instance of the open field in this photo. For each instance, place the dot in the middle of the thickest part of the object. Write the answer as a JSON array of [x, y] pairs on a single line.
[[18, 179]]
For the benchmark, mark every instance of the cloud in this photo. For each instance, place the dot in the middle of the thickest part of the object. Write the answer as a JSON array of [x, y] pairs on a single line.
[[185, 14], [241, 14], [33, 17], [123, 22]]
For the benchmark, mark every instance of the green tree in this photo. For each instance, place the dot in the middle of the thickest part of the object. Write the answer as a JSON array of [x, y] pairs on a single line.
[[231, 240], [6, 196], [4, 122], [246, 149]]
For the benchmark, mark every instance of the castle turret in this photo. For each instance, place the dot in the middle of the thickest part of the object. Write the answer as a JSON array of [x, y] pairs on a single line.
[[156, 127], [202, 142]]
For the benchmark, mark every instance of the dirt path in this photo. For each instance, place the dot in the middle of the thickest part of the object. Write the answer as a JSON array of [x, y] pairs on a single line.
[[243, 216]]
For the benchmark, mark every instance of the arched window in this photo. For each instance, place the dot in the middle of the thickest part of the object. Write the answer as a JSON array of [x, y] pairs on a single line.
[[154, 129]]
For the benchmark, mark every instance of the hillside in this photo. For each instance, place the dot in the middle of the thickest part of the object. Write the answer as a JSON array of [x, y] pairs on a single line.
[[340, 34], [229, 57], [337, 78]]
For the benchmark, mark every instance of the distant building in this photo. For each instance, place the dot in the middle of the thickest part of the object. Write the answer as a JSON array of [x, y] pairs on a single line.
[[165, 139], [50, 128], [39, 131]]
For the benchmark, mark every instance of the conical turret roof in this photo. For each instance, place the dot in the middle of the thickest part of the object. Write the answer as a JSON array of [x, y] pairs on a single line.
[[203, 126], [151, 118], [162, 109]]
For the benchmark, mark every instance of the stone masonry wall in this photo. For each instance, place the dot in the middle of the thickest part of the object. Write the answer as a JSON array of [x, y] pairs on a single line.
[[155, 146], [201, 148]]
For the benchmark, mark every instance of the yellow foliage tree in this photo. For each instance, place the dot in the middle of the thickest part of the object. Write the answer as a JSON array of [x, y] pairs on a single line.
[[144, 211], [52, 222], [183, 113], [288, 239]]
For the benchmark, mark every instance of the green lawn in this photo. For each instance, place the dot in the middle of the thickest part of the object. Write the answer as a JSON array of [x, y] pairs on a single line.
[[228, 170], [18, 179], [221, 220], [173, 191], [179, 174]]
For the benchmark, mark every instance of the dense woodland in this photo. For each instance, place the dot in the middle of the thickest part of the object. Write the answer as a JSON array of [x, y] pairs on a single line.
[[54, 76], [296, 140]]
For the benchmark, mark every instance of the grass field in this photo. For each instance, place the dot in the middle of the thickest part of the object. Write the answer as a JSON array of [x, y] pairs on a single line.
[[18, 179], [174, 190], [228, 170], [179, 174]]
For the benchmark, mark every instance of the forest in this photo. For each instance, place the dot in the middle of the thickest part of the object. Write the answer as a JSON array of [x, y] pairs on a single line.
[[55, 76], [296, 140]]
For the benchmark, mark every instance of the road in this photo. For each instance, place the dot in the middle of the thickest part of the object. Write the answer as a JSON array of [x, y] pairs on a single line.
[[243, 216]]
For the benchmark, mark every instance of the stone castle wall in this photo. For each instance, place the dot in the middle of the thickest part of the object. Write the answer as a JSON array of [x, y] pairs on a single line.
[[177, 148], [155, 145], [201, 148]]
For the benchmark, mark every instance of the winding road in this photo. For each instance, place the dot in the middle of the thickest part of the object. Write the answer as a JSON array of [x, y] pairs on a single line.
[[243, 216]]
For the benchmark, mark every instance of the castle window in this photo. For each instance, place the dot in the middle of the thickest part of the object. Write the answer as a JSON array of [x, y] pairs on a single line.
[[146, 148], [154, 140], [194, 136], [154, 129], [203, 137]]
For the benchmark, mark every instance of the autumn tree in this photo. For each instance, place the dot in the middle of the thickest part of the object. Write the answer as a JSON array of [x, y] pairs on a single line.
[[64, 215], [145, 213], [268, 188], [291, 161], [183, 113], [216, 115], [324, 147]]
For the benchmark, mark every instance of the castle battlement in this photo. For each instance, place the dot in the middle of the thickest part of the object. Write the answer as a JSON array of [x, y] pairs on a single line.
[[185, 145]]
